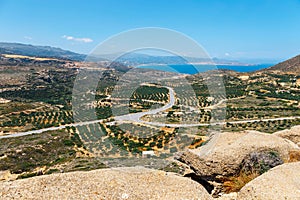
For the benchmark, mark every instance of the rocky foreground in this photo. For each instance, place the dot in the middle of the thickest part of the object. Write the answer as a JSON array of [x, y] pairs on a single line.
[[237, 158], [114, 183], [281, 182], [240, 166]]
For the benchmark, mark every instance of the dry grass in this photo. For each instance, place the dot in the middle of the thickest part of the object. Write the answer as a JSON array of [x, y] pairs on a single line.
[[294, 156], [28, 57], [235, 183]]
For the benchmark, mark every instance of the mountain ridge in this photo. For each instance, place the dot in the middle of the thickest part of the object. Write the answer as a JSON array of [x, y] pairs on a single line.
[[39, 51]]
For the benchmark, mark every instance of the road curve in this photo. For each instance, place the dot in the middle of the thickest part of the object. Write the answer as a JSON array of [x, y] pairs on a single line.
[[136, 117]]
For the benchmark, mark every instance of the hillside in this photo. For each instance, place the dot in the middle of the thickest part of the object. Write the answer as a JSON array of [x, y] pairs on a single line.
[[39, 51], [290, 65]]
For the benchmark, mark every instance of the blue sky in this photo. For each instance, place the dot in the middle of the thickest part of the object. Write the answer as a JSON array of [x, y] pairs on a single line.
[[235, 29]]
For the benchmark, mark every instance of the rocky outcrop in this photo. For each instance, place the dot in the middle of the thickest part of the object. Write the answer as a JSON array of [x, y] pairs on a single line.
[[229, 150], [114, 183], [292, 134], [281, 182]]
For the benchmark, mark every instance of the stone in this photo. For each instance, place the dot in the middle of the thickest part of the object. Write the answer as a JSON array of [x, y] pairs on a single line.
[[228, 150], [112, 183], [281, 182], [292, 134]]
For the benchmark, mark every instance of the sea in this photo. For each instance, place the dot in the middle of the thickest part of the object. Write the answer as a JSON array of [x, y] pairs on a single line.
[[194, 69]]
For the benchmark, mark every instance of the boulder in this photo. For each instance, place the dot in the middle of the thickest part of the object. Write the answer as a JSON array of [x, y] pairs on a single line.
[[113, 183], [223, 155], [281, 182], [292, 134]]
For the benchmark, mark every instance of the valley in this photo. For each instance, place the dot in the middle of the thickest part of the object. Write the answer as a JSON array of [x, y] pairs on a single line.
[[128, 113]]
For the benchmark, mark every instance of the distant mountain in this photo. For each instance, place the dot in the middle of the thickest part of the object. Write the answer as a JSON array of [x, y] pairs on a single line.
[[290, 65], [39, 51], [144, 59], [134, 59]]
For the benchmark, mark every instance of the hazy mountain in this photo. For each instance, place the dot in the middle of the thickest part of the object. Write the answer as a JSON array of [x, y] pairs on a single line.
[[145, 59], [39, 51]]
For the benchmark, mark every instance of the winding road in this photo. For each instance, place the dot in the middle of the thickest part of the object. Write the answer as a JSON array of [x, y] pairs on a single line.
[[136, 117]]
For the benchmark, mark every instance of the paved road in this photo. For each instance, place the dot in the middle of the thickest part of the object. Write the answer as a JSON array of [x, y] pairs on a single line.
[[49, 129], [136, 117]]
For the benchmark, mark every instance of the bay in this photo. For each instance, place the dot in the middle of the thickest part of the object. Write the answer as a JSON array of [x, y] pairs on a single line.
[[194, 69]]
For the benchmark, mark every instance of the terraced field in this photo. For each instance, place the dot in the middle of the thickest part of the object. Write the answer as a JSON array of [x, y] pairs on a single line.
[[33, 120], [129, 140]]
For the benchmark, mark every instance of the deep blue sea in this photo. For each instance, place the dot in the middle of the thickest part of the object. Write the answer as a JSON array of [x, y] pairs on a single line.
[[194, 69]]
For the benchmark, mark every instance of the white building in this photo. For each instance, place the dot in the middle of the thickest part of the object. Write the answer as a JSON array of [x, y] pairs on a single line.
[[147, 154]]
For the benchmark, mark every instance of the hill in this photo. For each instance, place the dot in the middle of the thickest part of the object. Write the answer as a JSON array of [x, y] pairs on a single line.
[[39, 51], [290, 65]]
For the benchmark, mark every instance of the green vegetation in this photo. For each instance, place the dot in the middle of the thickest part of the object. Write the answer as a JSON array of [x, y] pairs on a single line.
[[36, 120], [141, 138], [53, 150], [263, 126], [27, 153], [53, 86]]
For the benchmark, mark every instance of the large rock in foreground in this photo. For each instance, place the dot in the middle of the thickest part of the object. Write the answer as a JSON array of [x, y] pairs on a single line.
[[228, 151], [292, 134], [281, 182], [116, 183]]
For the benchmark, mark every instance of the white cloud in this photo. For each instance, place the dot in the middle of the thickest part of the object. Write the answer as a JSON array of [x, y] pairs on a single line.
[[85, 40], [27, 38], [227, 54]]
